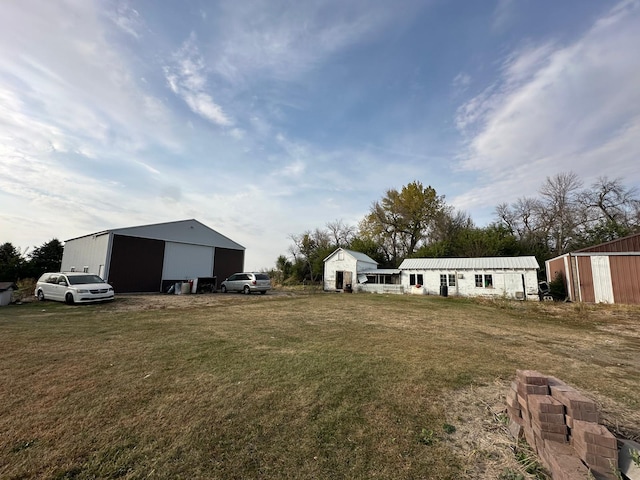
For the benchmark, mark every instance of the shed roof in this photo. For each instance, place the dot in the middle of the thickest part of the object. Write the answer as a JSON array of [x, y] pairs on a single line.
[[478, 263], [361, 257], [629, 243], [4, 286]]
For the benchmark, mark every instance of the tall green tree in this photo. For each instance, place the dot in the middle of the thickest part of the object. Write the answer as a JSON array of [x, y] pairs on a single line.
[[46, 258], [12, 263], [402, 220]]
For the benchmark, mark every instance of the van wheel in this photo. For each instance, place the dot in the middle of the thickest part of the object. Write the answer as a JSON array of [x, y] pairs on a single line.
[[223, 289], [40, 295], [69, 299], [246, 290]]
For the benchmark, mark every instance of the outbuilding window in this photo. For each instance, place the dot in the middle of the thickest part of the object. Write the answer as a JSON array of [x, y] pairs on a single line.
[[486, 282], [416, 279]]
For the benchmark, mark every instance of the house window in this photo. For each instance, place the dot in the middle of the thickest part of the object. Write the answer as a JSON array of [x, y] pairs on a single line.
[[412, 279], [340, 255], [416, 279], [452, 280], [443, 279], [419, 280], [486, 282]]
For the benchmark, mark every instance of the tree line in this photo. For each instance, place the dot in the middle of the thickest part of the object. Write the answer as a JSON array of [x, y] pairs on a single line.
[[416, 221], [16, 264]]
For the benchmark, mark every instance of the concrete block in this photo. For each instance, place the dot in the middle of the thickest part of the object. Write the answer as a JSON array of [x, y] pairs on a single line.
[[541, 417], [583, 415], [587, 432], [572, 399], [551, 427], [545, 404], [531, 377], [526, 389], [582, 449]]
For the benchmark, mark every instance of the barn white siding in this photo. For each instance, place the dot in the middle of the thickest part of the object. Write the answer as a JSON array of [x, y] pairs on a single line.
[[185, 261], [90, 253]]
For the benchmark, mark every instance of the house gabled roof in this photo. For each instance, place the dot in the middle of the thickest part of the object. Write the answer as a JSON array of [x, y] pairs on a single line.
[[478, 263], [182, 231], [359, 256]]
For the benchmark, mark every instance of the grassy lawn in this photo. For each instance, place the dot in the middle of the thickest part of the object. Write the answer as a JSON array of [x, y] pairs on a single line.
[[285, 386]]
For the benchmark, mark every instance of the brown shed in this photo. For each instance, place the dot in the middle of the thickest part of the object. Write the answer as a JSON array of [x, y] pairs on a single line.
[[605, 273]]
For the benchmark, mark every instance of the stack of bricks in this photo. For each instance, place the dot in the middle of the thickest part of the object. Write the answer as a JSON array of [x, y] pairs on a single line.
[[561, 426]]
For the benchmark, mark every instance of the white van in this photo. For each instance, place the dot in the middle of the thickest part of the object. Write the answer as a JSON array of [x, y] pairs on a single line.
[[73, 287]]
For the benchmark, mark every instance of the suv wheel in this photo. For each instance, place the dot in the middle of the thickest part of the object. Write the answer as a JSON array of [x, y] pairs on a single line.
[[223, 289], [246, 290], [40, 295]]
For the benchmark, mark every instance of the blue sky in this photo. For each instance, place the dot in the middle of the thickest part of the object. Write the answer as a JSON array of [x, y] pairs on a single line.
[[265, 118]]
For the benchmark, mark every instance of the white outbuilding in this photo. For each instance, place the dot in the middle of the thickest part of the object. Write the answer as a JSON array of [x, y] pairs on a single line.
[[510, 277], [342, 267]]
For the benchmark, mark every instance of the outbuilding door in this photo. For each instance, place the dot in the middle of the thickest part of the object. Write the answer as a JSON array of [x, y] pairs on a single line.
[[343, 279], [601, 272]]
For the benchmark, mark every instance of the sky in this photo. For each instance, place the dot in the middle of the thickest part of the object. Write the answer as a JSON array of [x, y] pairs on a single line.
[[266, 118]]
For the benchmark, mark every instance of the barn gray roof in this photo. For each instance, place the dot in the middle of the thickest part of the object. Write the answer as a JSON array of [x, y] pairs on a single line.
[[479, 263]]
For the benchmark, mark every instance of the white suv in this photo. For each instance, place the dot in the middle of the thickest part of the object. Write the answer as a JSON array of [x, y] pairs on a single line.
[[73, 287], [246, 283]]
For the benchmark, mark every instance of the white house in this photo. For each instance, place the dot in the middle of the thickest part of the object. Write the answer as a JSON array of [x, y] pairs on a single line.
[[342, 267], [512, 277]]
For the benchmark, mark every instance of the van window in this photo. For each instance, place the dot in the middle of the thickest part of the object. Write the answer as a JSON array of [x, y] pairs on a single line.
[[262, 276]]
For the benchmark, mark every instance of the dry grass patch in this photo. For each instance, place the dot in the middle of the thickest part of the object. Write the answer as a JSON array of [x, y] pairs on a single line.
[[289, 385]]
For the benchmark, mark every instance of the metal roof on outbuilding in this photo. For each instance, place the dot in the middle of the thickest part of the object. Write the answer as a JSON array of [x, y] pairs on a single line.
[[478, 263], [361, 257]]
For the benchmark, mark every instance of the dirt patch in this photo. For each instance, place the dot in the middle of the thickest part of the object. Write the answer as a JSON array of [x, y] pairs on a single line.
[[157, 301]]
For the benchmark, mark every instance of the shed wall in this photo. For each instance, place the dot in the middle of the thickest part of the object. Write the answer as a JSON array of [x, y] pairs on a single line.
[[625, 278], [333, 265]]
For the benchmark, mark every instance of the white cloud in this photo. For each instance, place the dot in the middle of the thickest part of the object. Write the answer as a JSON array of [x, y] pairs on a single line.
[[187, 79], [557, 109], [127, 19], [286, 39]]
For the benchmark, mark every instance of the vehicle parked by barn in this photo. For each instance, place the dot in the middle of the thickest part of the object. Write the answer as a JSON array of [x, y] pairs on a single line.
[[73, 287], [247, 282]]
